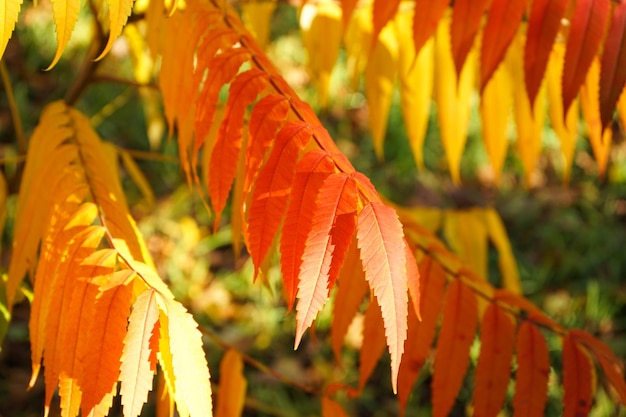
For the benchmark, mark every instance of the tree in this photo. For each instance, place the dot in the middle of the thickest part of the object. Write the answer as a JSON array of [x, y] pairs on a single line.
[[101, 314]]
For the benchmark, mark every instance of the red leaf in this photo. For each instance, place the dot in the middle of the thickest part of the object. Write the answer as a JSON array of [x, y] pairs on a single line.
[[224, 67], [544, 24], [327, 241], [242, 93], [611, 365], [502, 24], [267, 116], [413, 279], [347, 9], [311, 171], [494, 364], [533, 369], [466, 19], [380, 240], [373, 343], [272, 189], [351, 290], [585, 36], [578, 376], [421, 333], [460, 317], [425, 21], [383, 12], [613, 65]]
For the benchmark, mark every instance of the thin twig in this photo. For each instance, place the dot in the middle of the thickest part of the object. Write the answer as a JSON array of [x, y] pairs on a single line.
[[15, 115], [12, 159], [101, 78], [150, 156]]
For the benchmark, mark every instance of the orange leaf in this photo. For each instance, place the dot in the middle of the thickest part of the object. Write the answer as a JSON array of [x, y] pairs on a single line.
[[232, 386], [242, 92], [494, 364], [106, 335], [351, 290], [585, 35], [380, 240], [532, 311], [611, 365], [413, 279], [223, 67], [327, 241], [578, 377], [383, 12], [311, 171], [266, 118], [460, 317], [421, 333], [533, 369], [136, 371], [425, 22], [347, 8], [543, 26], [332, 408], [373, 343], [613, 65], [466, 19], [272, 189], [503, 22]]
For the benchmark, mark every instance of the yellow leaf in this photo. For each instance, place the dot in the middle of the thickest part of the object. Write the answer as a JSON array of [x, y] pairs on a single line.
[[320, 25], [9, 11], [358, 35], [232, 386], [495, 109], [135, 371], [140, 180], [65, 17], [452, 98], [380, 77], [621, 109], [119, 10], [528, 122], [192, 380], [589, 101], [416, 84], [257, 15], [466, 233], [506, 259], [566, 131]]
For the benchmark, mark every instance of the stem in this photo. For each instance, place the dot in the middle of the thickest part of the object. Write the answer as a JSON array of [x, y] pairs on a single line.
[[15, 115]]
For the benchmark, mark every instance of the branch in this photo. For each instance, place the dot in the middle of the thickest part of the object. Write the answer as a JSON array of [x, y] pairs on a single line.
[[15, 115]]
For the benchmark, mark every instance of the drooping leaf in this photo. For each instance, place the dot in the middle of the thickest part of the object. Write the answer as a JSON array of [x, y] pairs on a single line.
[[466, 233], [426, 21], [347, 8], [243, 92], [585, 35], [136, 371], [351, 290], [311, 171], [332, 228], [381, 244], [590, 104], [382, 13], [373, 344], [189, 365], [271, 193], [257, 16], [533, 369], [566, 129], [320, 25], [578, 379], [497, 336], [65, 17], [380, 75], [119, 10], [543, 26], [613, 64], [460, 317], [415, 74], [503, 22], [10, 10], [466, 19], [495, 111], [232, 386], [506, 259], [452, 100]]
